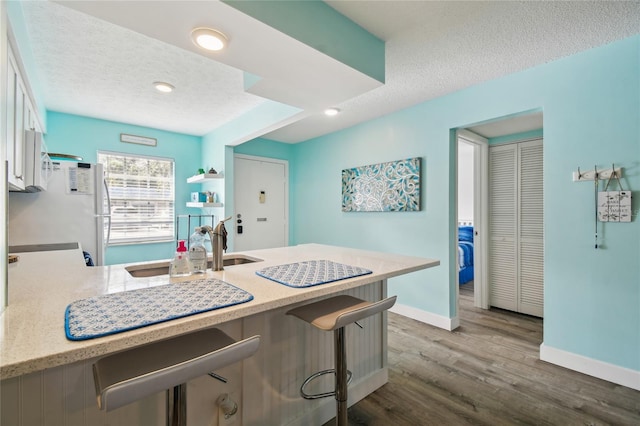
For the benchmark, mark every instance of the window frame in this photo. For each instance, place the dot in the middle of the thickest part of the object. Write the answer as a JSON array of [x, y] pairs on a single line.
[[136, 203]]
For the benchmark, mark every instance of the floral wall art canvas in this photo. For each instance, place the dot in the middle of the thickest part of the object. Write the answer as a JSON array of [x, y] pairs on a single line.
[[385, 187]]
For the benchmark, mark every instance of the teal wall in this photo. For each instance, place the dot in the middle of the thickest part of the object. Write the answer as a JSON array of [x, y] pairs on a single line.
[[591, 105], [266, 148], [214, 154], [84, 136], [515, 137]]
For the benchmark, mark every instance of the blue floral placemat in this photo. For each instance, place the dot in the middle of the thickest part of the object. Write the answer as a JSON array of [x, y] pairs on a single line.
[[311, 272], [114, 313]]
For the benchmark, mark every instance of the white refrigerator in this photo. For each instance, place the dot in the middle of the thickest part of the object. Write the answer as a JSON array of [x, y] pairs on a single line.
[[74, 209]]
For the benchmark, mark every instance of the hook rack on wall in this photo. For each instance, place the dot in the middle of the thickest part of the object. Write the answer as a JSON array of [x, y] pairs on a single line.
[[590, 175], [610, 205]]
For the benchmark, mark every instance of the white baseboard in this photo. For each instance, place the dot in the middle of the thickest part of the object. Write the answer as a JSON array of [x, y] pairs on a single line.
[[426, 317], [592, 367]]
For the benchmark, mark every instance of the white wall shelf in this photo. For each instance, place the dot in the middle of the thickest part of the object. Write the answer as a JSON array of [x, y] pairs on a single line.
[[204, 177], [203, 205]]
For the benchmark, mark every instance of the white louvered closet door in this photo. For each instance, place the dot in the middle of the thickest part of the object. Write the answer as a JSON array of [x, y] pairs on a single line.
[[503, 191], [516, 227]]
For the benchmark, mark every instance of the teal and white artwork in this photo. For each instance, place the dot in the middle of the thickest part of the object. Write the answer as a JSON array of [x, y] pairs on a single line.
[[385, 187]]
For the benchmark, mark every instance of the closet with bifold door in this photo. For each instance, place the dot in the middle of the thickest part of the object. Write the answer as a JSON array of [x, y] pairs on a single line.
[[516, 219]]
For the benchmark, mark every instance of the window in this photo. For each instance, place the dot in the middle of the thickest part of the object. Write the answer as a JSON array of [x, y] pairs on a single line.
[[142, 197]]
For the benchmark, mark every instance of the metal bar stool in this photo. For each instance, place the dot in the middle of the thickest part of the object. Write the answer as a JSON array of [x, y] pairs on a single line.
[[130, 375], [334, 314]]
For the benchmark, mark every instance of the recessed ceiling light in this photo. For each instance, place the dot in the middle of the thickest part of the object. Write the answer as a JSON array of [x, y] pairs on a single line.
[[331, 111], [163, 87], [208, 38]]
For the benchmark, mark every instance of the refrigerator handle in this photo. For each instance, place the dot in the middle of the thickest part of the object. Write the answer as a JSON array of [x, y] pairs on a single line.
[[106, 191]]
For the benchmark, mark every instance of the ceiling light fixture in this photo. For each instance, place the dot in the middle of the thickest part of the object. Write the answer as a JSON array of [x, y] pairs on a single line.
[[208, 39], [163, 87], [331, 111]]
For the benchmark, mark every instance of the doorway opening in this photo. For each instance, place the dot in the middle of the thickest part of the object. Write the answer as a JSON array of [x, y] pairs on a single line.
[[472, 181], [476, 266]]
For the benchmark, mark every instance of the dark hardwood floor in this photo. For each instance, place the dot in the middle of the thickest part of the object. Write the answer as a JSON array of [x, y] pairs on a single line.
[[487, 372]]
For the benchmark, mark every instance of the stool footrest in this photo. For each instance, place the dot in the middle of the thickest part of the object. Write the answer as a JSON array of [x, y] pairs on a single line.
[[315, 376]]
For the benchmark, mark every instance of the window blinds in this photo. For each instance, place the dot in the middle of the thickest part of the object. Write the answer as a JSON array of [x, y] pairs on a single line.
[[142, 197]]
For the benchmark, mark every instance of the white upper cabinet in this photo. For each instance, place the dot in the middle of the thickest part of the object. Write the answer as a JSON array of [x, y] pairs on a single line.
[[21, 116], [15, 138]]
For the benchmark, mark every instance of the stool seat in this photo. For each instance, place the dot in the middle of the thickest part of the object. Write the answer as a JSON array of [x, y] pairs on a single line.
[[336, 312], [333, 314], [127, 376]]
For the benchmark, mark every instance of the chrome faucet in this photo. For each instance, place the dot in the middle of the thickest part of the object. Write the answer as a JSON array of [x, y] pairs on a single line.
[[218, 237]]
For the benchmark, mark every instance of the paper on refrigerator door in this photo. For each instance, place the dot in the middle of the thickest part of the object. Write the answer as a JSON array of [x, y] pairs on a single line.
[[79, 180]]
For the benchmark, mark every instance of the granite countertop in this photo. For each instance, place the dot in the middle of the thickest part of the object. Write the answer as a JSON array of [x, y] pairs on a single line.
[[42, 284]]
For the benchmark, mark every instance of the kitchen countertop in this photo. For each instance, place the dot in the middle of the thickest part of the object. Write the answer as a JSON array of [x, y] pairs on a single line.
[[42, 284]]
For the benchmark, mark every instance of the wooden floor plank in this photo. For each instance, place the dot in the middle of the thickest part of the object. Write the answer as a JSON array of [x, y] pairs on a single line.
[[487, 372]]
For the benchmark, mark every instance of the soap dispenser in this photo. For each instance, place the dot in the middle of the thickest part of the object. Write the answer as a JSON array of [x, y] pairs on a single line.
[[181, 265], [198, 251]]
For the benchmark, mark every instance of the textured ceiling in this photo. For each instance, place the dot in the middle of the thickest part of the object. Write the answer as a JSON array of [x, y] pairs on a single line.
[[90, 67]]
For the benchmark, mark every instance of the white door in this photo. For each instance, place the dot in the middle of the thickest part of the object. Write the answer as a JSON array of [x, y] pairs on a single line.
[[516, 262], [261, 203]]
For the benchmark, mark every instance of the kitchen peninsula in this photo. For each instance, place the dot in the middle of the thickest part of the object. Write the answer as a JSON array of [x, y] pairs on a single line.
[[36, 357]]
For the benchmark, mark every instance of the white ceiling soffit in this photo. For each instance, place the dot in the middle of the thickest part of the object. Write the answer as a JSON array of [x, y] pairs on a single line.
[[289, 71], [90, 67]]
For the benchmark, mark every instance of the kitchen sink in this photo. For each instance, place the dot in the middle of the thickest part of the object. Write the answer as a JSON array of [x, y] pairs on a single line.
[[162, 268]]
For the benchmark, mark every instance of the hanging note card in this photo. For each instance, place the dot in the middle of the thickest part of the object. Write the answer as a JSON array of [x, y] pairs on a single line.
[[625, 206], [614, 206]]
